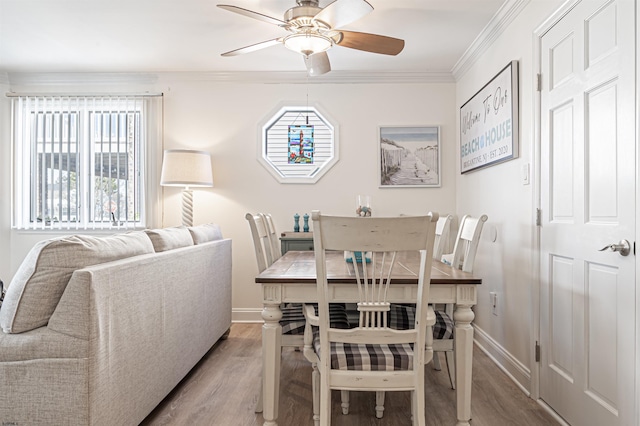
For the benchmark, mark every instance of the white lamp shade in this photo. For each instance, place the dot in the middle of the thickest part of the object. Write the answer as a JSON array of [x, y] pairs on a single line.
[[184, 167]]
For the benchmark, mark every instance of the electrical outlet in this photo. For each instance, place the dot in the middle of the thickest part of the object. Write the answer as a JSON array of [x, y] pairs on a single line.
[[493, 298]]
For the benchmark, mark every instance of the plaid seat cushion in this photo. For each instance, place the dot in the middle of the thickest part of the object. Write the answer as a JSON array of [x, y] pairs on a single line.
[[370, 357], [443, 328], [402, 317], [293, 322]]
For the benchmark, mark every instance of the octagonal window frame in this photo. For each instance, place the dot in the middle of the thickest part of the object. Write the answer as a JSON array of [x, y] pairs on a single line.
[[273, 151]]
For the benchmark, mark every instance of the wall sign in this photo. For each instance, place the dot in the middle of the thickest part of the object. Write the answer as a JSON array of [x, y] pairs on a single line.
[[489, 122]]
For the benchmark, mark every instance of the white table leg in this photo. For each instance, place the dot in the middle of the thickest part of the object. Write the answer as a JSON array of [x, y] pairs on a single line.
[[463, 335], [271, 343]]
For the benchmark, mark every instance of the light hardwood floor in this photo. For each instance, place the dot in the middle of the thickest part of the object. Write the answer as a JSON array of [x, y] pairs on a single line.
[[223, 388]]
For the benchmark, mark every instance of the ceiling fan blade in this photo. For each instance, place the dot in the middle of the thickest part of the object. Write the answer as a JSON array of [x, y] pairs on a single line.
[[253, 47], [317, 64], [343, 12], [252, 14], [371, 42]]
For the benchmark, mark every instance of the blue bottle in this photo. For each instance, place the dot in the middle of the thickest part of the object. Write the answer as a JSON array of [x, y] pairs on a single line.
[[296, 222], [305, 228]]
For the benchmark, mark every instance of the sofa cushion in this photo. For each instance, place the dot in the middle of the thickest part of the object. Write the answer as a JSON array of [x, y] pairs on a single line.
[[42, 277], [205, 233], [169, 238]]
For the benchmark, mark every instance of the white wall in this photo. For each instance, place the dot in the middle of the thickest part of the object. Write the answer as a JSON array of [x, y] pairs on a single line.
[[5, 183], [506, 264], [223, 117]]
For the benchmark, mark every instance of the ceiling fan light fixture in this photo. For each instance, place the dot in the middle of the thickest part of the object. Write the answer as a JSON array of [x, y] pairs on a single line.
[[307, 43]]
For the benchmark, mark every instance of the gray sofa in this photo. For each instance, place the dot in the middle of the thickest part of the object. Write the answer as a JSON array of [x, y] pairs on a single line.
[[103, 344]]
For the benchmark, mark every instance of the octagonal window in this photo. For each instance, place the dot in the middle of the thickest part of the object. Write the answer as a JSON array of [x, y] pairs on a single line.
[[298, 144]]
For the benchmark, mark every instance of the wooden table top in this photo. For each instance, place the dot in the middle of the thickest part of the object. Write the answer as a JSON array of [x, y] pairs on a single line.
[[299, 267]]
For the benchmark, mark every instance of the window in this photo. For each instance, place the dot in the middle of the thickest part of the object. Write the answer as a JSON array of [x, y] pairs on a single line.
[[81, 162], [298, 145]]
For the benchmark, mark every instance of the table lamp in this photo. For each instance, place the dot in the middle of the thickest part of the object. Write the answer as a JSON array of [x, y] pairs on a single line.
[[186, 168]]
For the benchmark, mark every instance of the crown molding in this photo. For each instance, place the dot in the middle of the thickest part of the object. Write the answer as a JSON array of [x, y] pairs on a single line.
[[496, 26], [247, 77], [300, 77], [80, 78]]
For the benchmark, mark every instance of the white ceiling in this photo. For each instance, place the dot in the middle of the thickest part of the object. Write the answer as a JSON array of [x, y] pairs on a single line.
[[190, 35]]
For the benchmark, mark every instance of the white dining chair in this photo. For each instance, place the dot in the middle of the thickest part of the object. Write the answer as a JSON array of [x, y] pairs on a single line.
[[292, 322], [463, 257], [440, 247], [276, 251], [401, 367], [260, 238], [443, 235]]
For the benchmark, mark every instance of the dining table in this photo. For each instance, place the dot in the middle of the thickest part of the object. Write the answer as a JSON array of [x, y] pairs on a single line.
[[292, 279]]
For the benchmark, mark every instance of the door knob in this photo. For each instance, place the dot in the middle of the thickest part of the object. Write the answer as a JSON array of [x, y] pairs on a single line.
[[623, 247]]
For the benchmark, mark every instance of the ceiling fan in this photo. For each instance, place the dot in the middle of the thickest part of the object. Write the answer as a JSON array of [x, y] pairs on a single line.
[[313, 30]]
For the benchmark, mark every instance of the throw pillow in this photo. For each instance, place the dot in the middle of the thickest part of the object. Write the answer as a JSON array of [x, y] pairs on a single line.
[[205, 233], [169, 238]]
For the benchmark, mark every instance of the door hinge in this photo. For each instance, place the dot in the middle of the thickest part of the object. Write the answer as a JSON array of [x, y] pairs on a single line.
[[539, 82], [537, 351], [538, 217]]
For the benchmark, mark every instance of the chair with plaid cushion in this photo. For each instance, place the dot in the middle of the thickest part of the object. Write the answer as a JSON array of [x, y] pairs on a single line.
[[292, 321], [263, 234], [463, 257], [371, 356]]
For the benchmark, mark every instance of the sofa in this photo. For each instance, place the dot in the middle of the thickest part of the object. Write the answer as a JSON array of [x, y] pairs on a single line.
[[98, 330]]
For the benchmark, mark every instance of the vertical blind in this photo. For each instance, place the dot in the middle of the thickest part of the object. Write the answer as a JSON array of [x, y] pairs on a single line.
[[80, 162]]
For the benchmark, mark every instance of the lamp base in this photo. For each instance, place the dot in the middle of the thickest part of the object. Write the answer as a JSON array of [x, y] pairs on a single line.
[[187, 207]]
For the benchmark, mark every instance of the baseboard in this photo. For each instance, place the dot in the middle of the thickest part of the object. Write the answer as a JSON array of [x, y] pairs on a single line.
[[552, 413], [512, 367], [249, 315]]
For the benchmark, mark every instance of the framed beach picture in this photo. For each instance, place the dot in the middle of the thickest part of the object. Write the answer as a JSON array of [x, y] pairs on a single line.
[[409, 156]]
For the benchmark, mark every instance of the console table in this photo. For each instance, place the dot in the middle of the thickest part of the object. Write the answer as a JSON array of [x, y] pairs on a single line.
[[296, 241]]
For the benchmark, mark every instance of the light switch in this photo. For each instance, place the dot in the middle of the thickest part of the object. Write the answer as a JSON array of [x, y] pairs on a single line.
[[525, 174]]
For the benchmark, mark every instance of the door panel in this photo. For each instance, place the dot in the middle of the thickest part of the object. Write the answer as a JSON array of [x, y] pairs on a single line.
[[588, 172], [601, 144]]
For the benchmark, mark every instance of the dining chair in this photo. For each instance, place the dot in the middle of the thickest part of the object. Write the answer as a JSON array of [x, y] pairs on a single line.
[[261, 242], [463, 257], [267, 252], [443, 231], [440, 247], [372, 356], [276, 251]]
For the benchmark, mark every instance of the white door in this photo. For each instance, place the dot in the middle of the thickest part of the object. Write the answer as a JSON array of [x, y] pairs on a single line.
[[587, 296]]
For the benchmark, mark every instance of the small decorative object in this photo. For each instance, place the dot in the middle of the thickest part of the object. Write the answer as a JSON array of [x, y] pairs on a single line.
[[363, 205], [358, 256], [296, 222], [305, 227]]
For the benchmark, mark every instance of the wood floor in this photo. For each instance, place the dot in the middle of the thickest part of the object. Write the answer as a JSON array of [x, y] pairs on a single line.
[[223, 388]]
